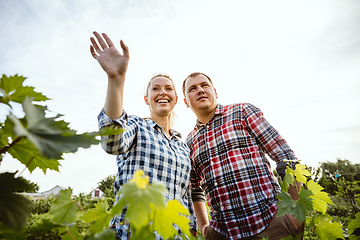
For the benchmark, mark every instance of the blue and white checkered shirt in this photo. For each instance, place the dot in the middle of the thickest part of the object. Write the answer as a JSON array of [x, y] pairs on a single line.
[[144, 145]]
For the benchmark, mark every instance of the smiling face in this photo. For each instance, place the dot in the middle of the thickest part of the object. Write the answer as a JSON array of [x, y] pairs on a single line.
[[161, 96], [200, 95]]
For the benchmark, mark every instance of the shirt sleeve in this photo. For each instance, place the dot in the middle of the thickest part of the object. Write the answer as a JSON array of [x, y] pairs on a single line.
[[197, 195], [119, 143], [193, 224], [267, 136]]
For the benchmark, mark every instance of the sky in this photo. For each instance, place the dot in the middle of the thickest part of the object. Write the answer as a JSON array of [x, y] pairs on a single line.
[[298, 61]]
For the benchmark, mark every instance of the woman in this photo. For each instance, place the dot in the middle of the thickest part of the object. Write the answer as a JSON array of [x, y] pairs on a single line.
[[148, 144]]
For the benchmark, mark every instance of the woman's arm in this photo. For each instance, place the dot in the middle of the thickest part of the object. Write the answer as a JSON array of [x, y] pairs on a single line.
[[115, 65]]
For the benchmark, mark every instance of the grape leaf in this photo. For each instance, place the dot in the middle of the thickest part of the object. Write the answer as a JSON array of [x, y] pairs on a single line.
[[106, 234], [303, 204], [63, 208], [30, 156], [44, 226], [12, 89], [14, 208], [143, 233], [288, 179], [301, 172], [50, 136], [138, 200], [72, 234], [112, 130], [100, 215], [320, 199], [297, 208], [286, 203], [354, 228], [328, 230], [7, 233], [174, 213]]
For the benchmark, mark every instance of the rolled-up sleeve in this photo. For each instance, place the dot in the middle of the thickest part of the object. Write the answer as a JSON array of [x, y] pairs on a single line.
[[119, 143], [268, 137]]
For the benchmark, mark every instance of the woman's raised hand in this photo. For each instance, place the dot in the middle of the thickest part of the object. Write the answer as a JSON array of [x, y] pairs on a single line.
[[110, 59]]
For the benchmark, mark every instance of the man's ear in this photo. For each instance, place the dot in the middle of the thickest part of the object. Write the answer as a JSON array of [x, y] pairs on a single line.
[[146, 100], [215, 92], [187, 105]]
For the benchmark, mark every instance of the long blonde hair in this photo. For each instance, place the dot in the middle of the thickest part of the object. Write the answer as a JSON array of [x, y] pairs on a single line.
[[172, 115]]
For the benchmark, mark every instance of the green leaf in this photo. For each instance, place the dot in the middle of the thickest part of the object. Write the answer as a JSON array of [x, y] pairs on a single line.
[[288, 179], [44, 226], [174, 213], [327, 230], [106, 234], [354, 228], [297, 208], [64, 208], [140, 199], [9, 234], [286, 203], [5, 132], [138, 202], [303, 205], [320, 199], [72, 234], [143, 233], [12, 89], [112, 130], [301, 172], [30, 156], [50, 136], [99, 216], [14, 208]]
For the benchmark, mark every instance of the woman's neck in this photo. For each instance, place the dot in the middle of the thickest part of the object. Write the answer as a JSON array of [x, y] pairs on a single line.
[[163, 122]]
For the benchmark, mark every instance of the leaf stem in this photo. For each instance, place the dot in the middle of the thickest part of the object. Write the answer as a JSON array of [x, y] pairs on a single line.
[[27, 165], [5, 149]]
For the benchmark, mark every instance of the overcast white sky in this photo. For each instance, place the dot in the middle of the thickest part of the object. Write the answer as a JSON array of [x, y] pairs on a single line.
[[298, 61]]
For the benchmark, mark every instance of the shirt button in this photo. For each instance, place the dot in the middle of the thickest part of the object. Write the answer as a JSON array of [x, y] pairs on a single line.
[[207, 126], [208, 143], [222, 207]]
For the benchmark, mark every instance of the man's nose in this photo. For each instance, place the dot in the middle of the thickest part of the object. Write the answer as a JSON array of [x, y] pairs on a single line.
[[200, 90]]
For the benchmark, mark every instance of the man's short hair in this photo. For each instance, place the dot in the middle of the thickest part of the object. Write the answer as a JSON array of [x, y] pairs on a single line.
[[194, 74]]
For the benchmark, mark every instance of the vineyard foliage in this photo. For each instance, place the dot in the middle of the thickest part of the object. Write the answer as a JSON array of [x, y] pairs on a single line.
[[311, 208], [38, 141]]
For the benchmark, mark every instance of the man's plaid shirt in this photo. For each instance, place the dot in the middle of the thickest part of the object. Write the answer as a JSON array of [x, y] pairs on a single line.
[[144, 145], [229, 165]]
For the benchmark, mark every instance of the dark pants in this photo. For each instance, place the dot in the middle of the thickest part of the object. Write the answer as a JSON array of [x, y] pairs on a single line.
[[278, 228]]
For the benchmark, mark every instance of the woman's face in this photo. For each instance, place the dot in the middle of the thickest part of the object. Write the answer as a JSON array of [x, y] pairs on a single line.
[[161, 96]]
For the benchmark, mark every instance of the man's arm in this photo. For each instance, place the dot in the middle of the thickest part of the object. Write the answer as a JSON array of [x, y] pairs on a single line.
[[201, 216]]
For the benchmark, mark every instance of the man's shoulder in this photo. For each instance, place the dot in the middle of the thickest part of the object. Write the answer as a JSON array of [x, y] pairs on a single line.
[[243, 106]]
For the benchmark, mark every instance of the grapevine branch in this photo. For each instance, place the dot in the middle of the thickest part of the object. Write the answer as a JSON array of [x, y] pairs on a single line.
[[6, 148]]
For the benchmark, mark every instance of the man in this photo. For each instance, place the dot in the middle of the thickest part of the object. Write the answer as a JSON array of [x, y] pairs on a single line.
[[228, 146]]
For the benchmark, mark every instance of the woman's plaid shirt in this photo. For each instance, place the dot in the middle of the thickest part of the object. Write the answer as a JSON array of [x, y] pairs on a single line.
[[144, 145], [229, 165]]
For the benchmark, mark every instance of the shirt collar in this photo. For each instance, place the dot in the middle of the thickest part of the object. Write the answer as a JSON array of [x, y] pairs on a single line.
[[218, 111], [156, 126]]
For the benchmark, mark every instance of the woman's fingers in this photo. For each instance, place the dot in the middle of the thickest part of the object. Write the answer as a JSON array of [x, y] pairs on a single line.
[[92, 51], [100, 40], [125, 49], [108, 40], [95, 45]]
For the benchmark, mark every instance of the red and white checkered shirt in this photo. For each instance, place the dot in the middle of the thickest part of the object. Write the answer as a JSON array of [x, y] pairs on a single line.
[[229, 165]]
